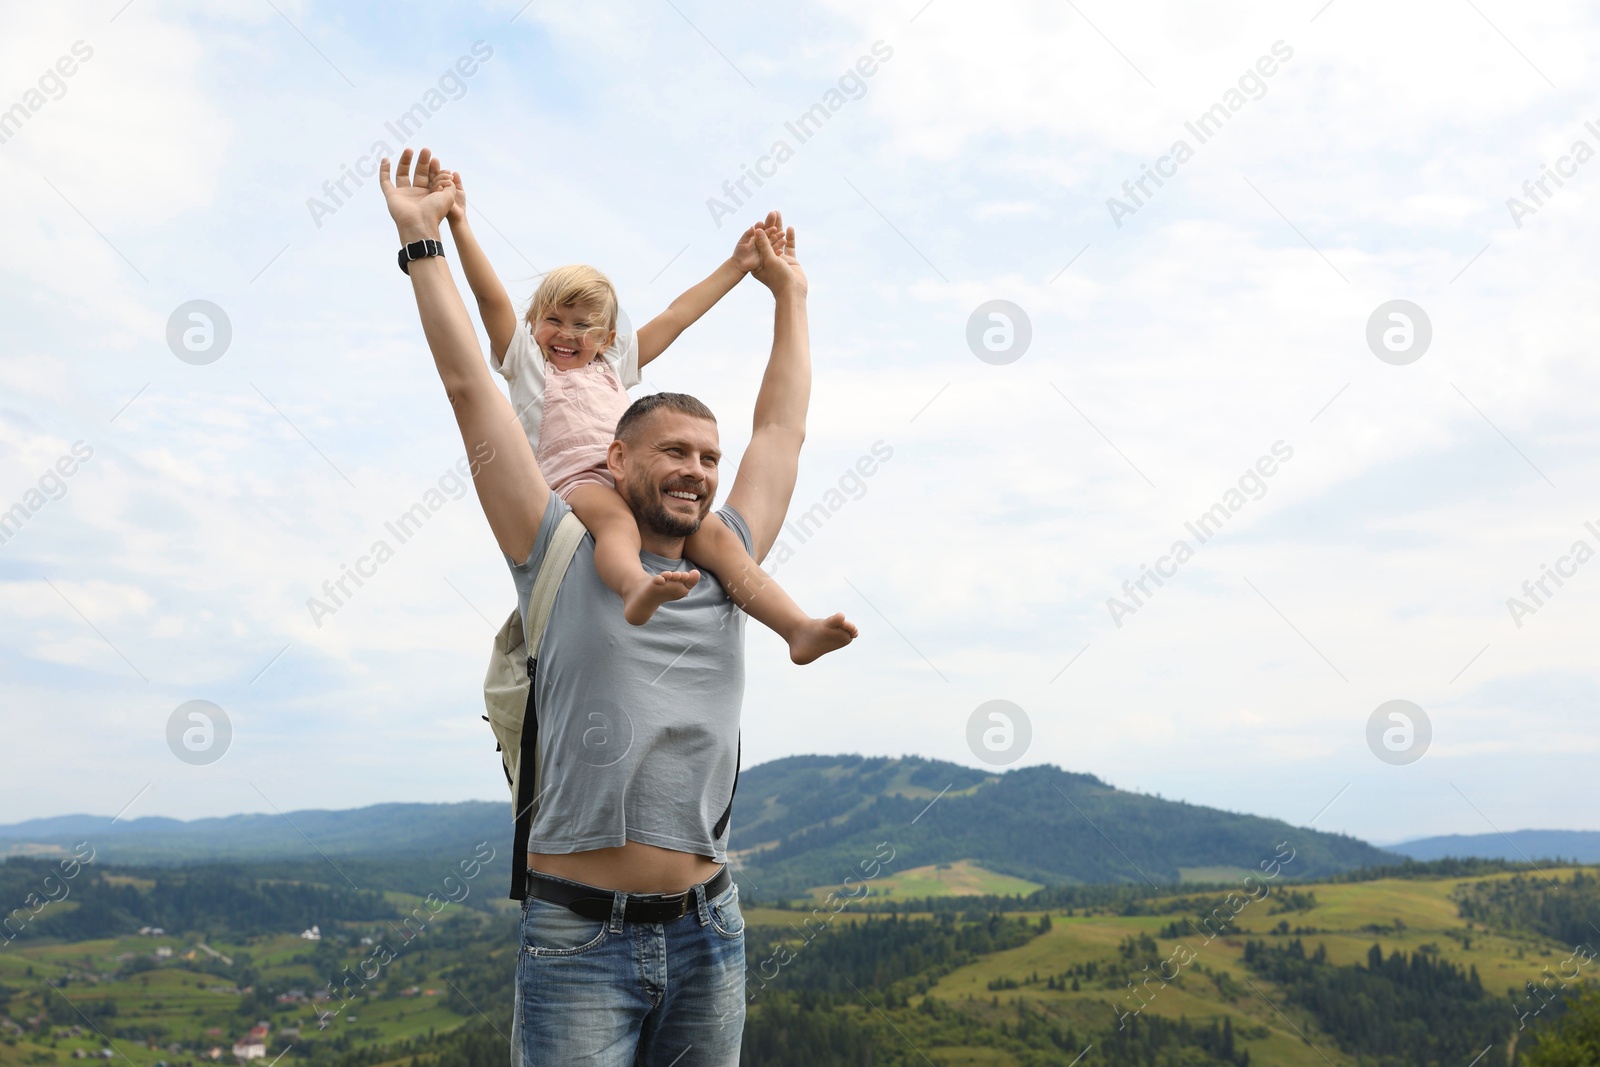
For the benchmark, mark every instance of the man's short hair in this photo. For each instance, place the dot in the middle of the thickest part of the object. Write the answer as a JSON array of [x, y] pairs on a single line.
[[640, 410]]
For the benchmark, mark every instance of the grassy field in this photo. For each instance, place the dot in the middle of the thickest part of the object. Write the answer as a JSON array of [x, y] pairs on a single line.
[[1214, 874], [958, 879]]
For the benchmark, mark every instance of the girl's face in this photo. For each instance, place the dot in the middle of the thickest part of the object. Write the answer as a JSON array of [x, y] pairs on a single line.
[[570, 337]]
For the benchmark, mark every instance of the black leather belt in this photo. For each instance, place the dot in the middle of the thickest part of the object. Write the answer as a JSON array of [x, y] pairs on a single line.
[[595, 903]]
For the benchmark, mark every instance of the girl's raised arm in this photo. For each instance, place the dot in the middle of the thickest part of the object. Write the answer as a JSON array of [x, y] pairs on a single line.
[[656, 335], [494, 305]]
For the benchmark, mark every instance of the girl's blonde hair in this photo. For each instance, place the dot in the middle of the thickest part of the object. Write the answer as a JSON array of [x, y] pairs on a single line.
[[577, 284]]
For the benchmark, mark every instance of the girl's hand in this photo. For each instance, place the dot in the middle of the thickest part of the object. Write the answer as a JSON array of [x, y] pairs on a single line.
[[779, 270], [418, 201], [458, 210], [745, 256], [744, 253]]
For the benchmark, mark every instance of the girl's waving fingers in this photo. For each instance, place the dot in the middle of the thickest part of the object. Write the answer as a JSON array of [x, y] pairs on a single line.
[[458, 210]]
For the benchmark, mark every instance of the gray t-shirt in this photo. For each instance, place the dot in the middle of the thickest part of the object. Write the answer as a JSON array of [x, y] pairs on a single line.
[[638, 725]]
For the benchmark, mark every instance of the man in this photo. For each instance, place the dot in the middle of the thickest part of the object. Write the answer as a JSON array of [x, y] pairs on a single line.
[[632, 941]]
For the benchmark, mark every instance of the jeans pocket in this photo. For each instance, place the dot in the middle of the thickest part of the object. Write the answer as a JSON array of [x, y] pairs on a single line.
[[726, 918], [550, 929]]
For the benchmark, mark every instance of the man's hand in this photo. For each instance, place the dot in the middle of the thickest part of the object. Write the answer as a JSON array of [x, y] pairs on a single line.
[[776, 266], [417, 203], [744, 253]]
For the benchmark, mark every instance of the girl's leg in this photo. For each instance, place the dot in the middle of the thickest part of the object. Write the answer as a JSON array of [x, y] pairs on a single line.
[[616, 554], [718, 549]]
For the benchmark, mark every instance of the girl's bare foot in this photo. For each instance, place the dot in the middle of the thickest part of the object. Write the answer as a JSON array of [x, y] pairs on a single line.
[[641, 602], [818, 637]]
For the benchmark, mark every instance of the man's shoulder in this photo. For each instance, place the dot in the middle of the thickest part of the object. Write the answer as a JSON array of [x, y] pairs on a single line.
[[555, 510], [736, 522]]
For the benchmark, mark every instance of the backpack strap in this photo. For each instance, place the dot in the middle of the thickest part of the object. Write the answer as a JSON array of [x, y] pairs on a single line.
[[552, 569], [563, 544], [722, 823]]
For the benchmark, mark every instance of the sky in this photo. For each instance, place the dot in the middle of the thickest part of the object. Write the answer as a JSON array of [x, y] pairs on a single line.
[[1343, 318]]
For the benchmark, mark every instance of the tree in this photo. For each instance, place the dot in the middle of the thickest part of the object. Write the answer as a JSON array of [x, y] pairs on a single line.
[[1573, 1039]]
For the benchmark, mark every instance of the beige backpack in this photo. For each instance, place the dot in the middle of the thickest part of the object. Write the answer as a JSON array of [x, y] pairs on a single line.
[[510, 699]]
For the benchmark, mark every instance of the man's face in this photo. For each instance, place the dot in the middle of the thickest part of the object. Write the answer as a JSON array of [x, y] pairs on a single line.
[[668, 473]]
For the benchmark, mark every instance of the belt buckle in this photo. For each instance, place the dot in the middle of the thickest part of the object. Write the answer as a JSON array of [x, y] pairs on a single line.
[[677, 901]]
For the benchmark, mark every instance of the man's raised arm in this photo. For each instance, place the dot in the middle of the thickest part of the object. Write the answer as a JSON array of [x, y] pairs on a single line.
[[765, 482], [510, 488]]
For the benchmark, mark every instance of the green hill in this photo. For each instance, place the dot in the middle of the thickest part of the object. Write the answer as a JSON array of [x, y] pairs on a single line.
[[375, 831], [810, 821]]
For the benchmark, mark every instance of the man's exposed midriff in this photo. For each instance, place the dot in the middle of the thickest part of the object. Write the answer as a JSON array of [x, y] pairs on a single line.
[[633, 868]]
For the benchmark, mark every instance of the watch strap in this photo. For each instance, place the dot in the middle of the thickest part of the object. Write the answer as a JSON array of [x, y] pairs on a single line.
[[419, 250]]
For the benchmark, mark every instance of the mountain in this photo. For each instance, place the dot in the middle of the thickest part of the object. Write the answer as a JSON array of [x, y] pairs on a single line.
[[810, 821], [799, 822], [378, 830], [1519, 845]]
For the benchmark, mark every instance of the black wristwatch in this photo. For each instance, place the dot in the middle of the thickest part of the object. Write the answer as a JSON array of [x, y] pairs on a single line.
[[419, 250]]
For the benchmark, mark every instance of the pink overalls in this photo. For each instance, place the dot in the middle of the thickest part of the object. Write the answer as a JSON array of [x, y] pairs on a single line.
[[581, 409]]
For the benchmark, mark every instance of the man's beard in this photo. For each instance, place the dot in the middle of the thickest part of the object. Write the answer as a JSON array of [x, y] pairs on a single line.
[[653, 515]]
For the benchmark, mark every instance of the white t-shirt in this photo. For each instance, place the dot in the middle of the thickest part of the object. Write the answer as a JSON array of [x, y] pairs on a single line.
[[524, 368]]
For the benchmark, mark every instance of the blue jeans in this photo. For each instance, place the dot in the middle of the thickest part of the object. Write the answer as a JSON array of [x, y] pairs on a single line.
[[614, 994]]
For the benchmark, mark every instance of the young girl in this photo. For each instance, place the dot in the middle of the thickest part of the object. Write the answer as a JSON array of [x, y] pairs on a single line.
[[569, 368]]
